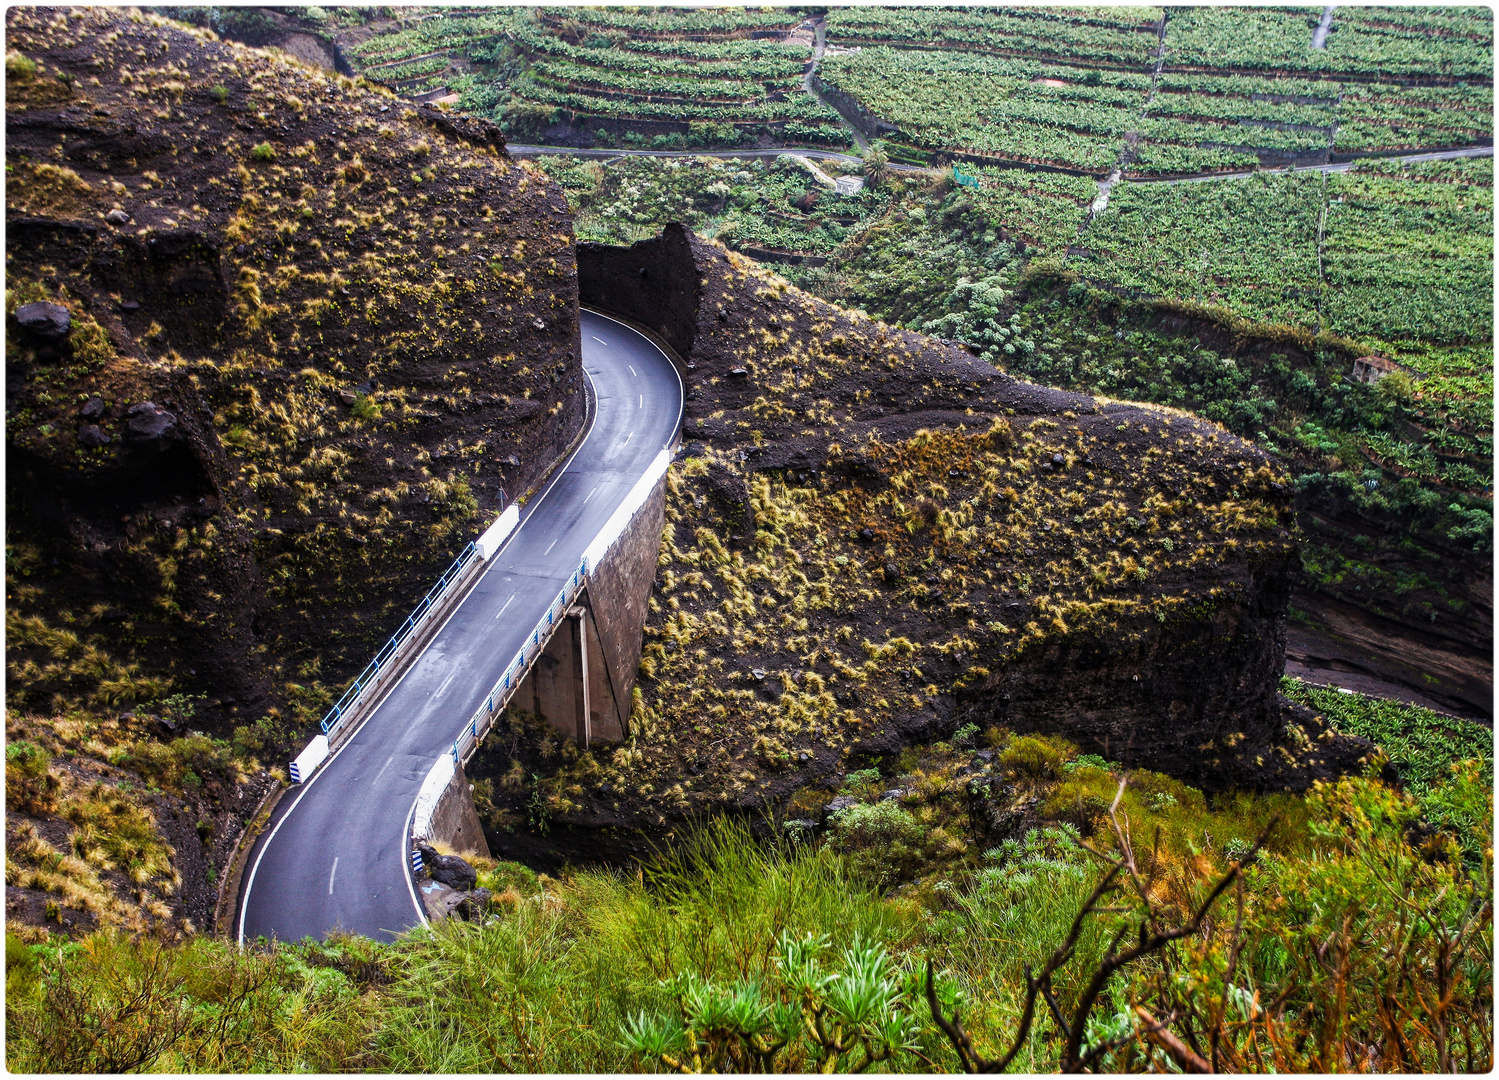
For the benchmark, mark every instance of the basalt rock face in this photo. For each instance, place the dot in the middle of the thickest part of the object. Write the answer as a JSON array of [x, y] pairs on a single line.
[[278, 345], [924, 542]]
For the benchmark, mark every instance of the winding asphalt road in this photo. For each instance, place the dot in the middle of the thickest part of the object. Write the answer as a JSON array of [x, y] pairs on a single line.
[[337, 856]]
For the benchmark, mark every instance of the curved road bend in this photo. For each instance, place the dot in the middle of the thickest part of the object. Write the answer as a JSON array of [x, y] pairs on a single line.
[[337, 857]]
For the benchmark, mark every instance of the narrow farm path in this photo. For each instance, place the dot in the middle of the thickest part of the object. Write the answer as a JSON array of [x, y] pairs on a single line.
[[1319, 35], [1407, 157], [819, 46]]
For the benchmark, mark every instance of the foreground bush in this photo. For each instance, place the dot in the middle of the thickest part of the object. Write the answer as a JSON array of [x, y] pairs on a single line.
[[1365, 944]]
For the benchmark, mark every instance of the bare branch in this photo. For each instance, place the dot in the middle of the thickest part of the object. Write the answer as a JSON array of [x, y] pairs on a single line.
[[1157, 1033]]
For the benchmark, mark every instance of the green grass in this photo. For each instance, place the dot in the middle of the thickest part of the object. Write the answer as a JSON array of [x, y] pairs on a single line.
[[510, 998], [565, 970]]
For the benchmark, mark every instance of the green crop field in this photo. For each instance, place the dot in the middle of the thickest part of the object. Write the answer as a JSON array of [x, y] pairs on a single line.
[[673, 78], [1014, 110], [1119, 37], [1367, 43], [1073, 88], [1402, 255], [1039, 104]]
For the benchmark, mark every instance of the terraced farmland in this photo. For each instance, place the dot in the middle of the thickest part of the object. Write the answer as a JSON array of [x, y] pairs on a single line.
[[1400, 260], [617, 76], [1237, 87], [1403, 254]]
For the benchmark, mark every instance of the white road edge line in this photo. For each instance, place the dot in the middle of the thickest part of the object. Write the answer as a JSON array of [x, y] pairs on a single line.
[[406, 829], [411, 814], [331, 874], [405, 869], [681, 389], [307, 786]]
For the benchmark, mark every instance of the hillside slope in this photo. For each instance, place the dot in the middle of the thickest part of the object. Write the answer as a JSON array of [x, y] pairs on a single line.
[[276, 345], [876, 539]]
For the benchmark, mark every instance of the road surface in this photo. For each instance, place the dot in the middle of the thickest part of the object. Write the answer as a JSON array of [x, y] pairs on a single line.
[[337, 856], [1407, 157], [1340, 167]]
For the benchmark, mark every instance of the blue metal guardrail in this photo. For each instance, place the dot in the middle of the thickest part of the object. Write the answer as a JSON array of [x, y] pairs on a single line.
[[478, 724], [336, 715]]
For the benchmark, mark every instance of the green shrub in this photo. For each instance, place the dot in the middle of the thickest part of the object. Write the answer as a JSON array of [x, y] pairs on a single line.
[[1092, 761], [20, 68], [805, 1019], [121, 1004], [1160, 792], [180, 764], [220, 93], [1036, 757], [1082, 798], [883, 840], [29, 784], [364, 407], [511, 875], [263, 152], [964, 736]]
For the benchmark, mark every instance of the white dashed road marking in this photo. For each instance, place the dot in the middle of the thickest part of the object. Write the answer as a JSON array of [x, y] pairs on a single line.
[[497, 614], [632, 370], [600, 340], [331, 873]]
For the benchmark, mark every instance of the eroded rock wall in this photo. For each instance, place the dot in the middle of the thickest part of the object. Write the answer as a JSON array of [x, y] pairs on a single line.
[[875, 539]]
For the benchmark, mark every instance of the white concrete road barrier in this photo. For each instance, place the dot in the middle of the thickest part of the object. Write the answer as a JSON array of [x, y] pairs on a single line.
[[497, 533], [309, 759]]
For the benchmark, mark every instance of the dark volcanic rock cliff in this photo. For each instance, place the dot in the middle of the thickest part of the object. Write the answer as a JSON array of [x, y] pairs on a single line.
[[313, 336], [875, 539]]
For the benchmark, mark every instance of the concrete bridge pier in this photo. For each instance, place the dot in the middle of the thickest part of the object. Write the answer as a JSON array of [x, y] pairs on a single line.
[[570, 684], [584, 680]]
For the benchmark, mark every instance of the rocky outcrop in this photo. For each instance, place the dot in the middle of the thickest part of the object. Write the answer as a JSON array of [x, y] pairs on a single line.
[[451, 887], [449, 870], [925, 543], [276, 348]]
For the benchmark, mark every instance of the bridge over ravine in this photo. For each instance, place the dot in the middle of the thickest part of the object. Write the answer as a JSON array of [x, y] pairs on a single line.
[[337, 853]]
